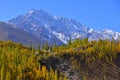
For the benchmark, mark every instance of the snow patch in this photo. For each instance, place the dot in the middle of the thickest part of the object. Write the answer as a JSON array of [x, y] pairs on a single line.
[[117, 36], [31, 11], [76, 27], [34, 27], [108, 31], [91, 30], [55, 17], [60, 36], [76, 35], [47, 26]]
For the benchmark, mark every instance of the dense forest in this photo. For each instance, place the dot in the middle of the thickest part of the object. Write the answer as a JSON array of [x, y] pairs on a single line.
[[78, 60]]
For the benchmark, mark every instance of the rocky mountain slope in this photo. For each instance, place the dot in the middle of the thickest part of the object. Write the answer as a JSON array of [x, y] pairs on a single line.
[[97, 70], [7, 32]]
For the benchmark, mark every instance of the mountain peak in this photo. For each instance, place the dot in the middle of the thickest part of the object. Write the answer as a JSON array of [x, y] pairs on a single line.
[[35, 11], [38, 15], [31, 11]]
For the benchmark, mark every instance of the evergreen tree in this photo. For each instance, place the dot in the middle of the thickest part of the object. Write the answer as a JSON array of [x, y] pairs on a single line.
[[8, 76]]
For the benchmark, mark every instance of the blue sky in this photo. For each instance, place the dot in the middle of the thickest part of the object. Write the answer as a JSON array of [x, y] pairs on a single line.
[[97, 14]]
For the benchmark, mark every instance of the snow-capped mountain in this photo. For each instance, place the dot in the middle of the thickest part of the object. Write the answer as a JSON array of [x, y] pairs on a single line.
[[51, 28]]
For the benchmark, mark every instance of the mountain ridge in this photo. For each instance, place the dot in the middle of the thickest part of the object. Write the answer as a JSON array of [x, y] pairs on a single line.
[[51, 28]]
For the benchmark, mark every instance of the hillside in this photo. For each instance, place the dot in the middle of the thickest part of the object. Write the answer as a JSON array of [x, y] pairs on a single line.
[[18, 62], [8, 32], [79, 60], [83, 60]]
